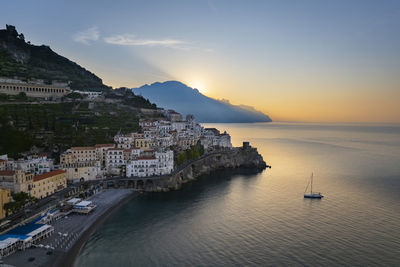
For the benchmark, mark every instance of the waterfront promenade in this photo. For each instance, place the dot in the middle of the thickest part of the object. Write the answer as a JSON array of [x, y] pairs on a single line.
[[70, 233]]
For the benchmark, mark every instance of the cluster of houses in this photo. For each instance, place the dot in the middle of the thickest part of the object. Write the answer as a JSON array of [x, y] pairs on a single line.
[[141, 154], [35, 175], [138, 154]]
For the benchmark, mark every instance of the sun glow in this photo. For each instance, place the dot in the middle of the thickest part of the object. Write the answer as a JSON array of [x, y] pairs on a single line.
[[199, 85]]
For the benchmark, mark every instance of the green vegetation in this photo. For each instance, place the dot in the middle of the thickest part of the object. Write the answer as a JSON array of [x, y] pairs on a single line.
[[21, 97], [56, 127], [20, 201], [193, 153], [21, 59], [74, 96], [127, 97]]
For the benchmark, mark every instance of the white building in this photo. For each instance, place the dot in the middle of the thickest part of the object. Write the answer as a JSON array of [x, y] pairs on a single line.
[[150, 132], [160, 163], [143, 123], [178, 125], [125, 141], [101, 153], [164, 127], [115, 160], [36, 164], [165, 141], [142, 167], [213, 138], [89, 94], [165, 162]]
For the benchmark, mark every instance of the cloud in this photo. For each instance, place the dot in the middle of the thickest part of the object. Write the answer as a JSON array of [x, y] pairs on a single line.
[[86, 36], [131, 40]]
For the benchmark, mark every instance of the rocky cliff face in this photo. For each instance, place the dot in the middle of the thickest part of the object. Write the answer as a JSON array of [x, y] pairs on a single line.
[[248, 158]]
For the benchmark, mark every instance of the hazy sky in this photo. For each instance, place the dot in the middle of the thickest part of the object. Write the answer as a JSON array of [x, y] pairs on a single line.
[[295, 60]]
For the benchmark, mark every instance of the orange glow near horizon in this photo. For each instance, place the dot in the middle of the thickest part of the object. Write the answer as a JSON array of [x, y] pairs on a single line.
[[308, 105]]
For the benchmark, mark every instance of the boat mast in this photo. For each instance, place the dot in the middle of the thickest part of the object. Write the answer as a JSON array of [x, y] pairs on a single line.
[[312, 175]]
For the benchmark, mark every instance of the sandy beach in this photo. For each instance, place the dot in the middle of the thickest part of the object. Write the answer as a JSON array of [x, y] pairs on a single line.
[[71, 232]]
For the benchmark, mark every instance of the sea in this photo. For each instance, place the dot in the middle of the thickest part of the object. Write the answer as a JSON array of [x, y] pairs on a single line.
[[242, 218]]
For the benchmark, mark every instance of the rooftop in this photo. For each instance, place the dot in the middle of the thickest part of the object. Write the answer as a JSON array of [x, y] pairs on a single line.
[[104, 145], [82, 148], [47, 175], [146, 158], [7, 173]]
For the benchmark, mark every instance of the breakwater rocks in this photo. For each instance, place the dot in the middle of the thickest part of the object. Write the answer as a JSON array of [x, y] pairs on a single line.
[[241, 157]]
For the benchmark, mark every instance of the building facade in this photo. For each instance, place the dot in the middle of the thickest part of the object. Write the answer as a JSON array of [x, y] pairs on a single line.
[[48, 183], [33, 89], [17, 181], [3, 164], [5, 197]]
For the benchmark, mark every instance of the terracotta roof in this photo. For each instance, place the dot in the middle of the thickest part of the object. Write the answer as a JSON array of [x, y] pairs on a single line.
[[7, 173], [42, 155], [144, 157], [104, 145], [127, 150], [115, 148], [47, 175], [82, 148], [3, 160], [171, 111]]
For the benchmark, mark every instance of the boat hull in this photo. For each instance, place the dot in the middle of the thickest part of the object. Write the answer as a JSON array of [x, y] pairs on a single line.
[[313, 196]]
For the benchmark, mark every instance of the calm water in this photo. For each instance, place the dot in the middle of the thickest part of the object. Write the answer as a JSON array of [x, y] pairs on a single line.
[[263, 219]]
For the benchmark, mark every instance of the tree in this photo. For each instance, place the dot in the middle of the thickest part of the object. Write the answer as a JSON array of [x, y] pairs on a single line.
[[10, 207], [22, 96], [20, 201], [30, 123]]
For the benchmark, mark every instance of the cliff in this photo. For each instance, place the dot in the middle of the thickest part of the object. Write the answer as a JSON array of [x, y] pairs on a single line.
[[241, 157]]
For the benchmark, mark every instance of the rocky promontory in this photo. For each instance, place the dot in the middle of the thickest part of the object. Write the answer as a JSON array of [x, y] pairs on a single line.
[[239, 157]]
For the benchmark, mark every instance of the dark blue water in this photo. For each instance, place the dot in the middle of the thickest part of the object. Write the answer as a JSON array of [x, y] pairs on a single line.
[[262, 219]]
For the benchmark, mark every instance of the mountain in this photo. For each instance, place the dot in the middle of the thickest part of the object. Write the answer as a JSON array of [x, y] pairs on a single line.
[[186, 100], [21, 59]]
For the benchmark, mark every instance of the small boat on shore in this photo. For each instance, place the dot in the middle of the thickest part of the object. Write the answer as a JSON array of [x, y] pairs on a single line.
[[312, 194]]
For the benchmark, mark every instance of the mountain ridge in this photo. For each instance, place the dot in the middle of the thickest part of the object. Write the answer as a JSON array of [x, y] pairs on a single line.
[[24, 60], [186, 100]]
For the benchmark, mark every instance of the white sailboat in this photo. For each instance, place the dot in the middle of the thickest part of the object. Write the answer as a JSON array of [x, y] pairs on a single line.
[[311, 194]]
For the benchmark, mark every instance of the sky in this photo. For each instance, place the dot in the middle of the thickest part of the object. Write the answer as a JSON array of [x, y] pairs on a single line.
[[309, 60]]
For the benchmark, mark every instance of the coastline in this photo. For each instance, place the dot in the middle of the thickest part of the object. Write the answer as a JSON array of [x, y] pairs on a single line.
[[72, 232], [69, 258]]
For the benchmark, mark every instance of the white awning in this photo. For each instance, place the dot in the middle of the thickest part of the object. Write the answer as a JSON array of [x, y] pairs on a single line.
[[73, 201], [84, 203]]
